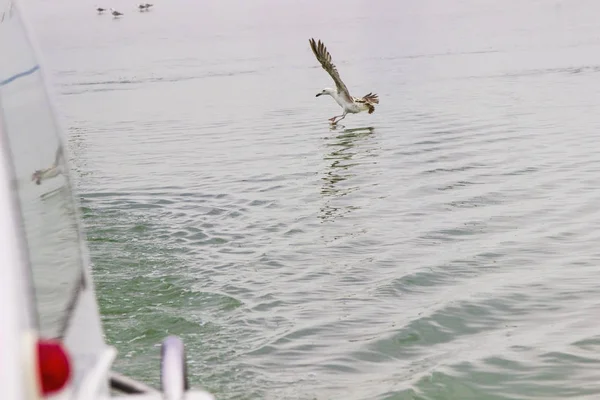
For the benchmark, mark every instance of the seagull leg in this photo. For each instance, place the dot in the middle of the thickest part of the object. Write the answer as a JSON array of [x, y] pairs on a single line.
[[343, 116], [333, 121]]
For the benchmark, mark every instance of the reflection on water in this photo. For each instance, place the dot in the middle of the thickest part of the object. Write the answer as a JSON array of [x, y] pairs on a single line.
[[346, 148]]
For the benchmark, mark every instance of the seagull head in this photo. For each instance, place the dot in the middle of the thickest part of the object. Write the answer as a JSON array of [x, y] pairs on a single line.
[[328, 91]]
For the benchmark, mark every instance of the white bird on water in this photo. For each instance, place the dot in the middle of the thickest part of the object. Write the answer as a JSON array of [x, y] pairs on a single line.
[[349, 104], [115, 13]]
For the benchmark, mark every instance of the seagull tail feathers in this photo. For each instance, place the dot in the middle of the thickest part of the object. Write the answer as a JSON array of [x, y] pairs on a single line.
[[371, 98]]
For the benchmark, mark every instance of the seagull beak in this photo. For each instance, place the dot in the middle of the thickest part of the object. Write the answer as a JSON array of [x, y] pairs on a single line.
[[318, 94]]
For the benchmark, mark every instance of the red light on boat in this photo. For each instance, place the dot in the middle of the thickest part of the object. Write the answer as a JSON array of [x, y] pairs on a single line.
[[54, 366]]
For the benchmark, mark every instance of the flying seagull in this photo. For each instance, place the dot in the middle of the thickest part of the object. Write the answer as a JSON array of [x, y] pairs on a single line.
[[115, 13], [341, 95]]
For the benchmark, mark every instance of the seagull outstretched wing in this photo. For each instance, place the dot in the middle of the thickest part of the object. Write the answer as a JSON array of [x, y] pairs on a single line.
[[325, 59]]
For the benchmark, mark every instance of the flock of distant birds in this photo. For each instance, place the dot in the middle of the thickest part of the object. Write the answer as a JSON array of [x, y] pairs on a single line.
[[141, 7]]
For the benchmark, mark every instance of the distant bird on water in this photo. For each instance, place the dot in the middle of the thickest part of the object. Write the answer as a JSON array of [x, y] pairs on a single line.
[[144, 6], [341, 95], [148, 6], [100, 10], [115, 13]]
